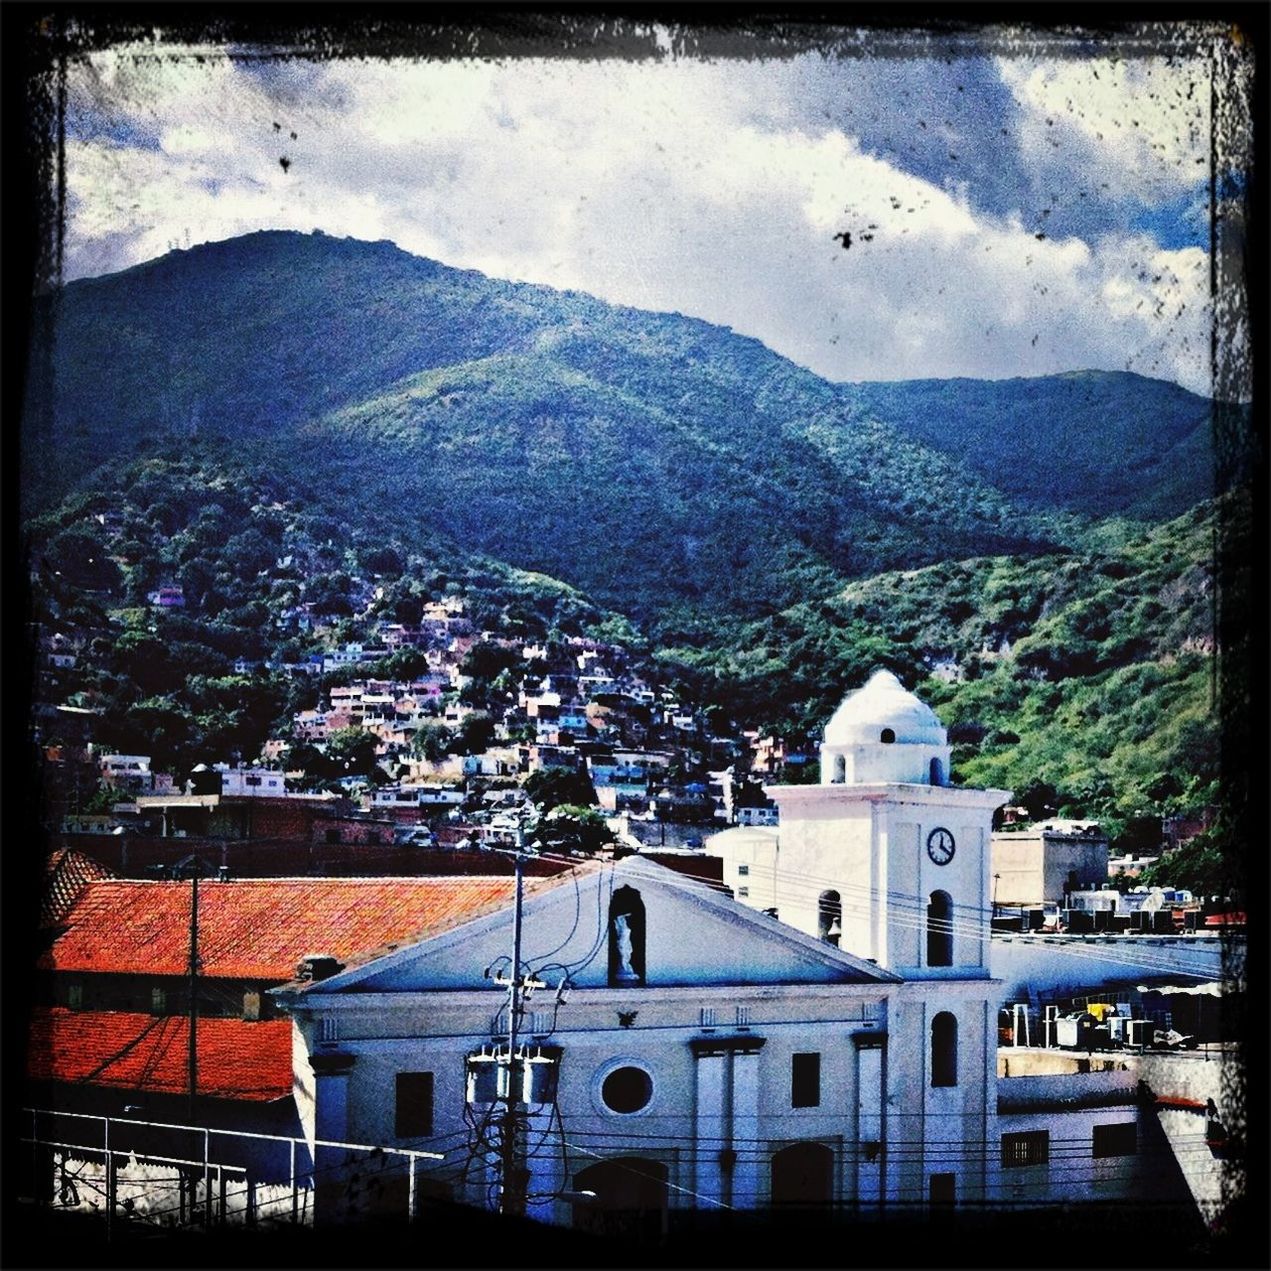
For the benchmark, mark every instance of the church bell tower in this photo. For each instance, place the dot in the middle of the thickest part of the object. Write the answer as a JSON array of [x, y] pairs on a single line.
[[885, 857]]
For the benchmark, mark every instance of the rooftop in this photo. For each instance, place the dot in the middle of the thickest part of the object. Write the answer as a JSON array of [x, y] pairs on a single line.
[[884, 703], [66, 873], [149, 1054], [261, 928]]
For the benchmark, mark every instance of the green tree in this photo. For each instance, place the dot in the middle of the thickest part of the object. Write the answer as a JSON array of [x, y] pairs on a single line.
[[432, 741], [553, 787], [571, 828], [350, 752], [1207, 865], [474, 734]]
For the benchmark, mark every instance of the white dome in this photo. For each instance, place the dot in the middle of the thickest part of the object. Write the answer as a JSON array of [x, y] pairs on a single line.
[[884, 703]]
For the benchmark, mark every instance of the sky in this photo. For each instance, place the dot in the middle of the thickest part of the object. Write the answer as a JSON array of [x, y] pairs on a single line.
[[909, 212]]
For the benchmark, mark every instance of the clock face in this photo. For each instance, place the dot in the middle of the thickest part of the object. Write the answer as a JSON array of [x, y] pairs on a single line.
[[940, 845]]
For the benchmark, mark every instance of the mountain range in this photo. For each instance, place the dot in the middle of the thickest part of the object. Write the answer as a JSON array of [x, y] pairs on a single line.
[[670, 469]]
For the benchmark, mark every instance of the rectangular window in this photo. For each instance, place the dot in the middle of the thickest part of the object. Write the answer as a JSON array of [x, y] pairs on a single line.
[[1031, 1147], [805, 1081], [414, 1105], [743, 891], [1116, 1140], [158, 1000], [941, 1189], [743, 870], [75, 995]]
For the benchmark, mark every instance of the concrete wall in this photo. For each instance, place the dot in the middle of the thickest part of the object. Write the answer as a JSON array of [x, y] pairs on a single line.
[[1034, 867], [1066, 963], [1178, 1079]]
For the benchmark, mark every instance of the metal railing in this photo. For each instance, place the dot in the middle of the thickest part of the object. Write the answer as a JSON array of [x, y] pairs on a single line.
[[129, 1174]]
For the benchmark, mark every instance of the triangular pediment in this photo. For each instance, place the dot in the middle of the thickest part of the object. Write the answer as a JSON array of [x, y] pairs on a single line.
[[688, 933]]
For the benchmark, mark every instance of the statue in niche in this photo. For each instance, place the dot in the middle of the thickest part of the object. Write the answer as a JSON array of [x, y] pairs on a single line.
[[625, 973]]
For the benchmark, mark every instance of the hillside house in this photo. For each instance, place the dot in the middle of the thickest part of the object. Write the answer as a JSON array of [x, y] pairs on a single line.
[[131, 774], [251, 782], [410, 804]]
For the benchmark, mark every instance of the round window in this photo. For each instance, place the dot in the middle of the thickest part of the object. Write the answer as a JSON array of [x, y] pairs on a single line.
[[627, 1089]]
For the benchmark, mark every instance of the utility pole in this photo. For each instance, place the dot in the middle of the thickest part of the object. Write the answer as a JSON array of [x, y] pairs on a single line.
[[193, 1055], [513, 1177], [194, 985]]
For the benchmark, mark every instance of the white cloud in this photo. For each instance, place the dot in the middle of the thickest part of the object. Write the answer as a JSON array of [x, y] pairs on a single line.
[[1145, 122], [669, 185]]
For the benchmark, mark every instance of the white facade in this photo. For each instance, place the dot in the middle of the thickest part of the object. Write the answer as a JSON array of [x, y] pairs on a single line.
[[252, 782], [705, 1026], [884, 849], [749, 855], [129, 773], [844, 1056]]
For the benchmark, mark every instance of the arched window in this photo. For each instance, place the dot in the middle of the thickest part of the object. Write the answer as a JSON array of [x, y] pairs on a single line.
[[803, 1175], [829, 917], [944, 1050], [940, 929], [887, 736], [626, 937], [937, 773], [629, 1199], [840, 769]]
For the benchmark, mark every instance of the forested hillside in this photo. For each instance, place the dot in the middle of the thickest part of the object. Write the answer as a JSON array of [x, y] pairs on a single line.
[[670, 468], [1085, 682], [1097, 442], [290, 423]]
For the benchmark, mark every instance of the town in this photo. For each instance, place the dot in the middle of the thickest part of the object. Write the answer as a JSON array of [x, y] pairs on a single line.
[[635, 642], [518, 901]]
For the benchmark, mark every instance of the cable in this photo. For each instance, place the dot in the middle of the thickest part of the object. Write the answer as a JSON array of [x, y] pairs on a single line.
[[157, 1022], [909, 912]]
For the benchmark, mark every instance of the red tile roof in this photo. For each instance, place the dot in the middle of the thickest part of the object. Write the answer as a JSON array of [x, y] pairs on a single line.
[[261, 928], [65, 873], [237, 1059]]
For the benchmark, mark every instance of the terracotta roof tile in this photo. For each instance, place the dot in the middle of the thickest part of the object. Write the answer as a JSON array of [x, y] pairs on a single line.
[[65, 873], [237, 1059], [261, 928]]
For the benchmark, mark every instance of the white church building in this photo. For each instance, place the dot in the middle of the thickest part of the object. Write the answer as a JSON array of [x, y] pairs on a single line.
[[679, 1050]]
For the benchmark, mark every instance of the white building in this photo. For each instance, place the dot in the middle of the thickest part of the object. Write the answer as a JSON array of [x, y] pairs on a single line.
[[252, 782], [127, 772], [750, 864], [676, 1052], [736, 1059]]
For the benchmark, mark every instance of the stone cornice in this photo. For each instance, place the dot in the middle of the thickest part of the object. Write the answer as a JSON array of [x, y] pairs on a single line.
[[888, 792], [331, 1063]]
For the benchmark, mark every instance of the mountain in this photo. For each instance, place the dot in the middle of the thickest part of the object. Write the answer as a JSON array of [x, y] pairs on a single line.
[[1102, 443], [668, 468]]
